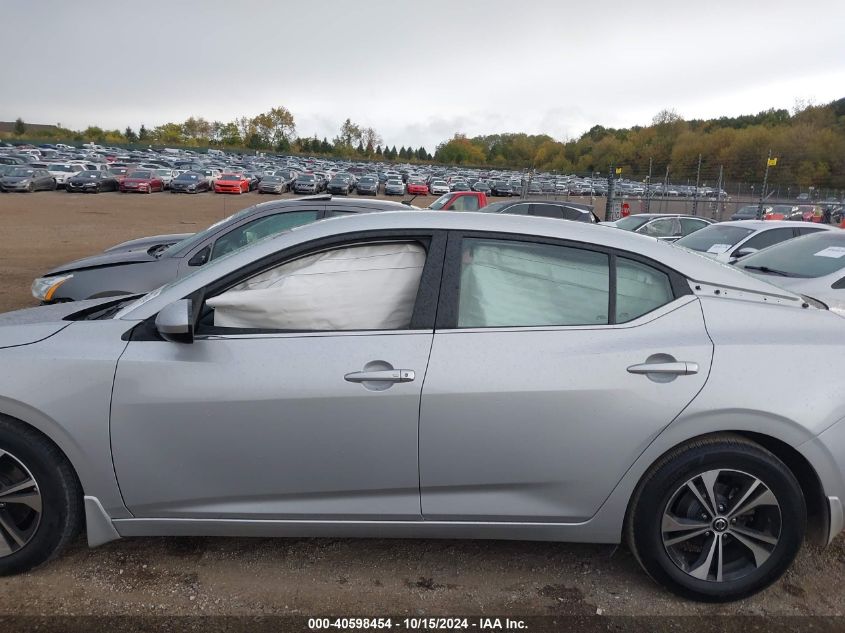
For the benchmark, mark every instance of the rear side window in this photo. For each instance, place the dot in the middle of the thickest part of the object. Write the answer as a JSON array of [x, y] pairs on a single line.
[[508, 284], [547, 211], [260, 228], [465, 203], [664, 227]]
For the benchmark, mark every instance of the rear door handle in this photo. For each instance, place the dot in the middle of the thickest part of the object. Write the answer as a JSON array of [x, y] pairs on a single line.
[[386, 375], [678, 368]]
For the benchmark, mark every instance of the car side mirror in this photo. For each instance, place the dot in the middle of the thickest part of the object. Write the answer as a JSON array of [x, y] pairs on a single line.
[[742, 252], [175, 323], [200, 257]]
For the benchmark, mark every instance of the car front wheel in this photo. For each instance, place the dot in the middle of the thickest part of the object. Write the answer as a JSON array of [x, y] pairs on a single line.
[[717, 520], [40, 499]]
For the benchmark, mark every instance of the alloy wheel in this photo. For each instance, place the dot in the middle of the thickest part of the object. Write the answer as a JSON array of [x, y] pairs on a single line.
[[721, 525], [20, 504]]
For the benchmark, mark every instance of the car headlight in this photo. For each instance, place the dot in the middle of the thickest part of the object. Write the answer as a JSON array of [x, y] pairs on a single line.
[[44, 288]]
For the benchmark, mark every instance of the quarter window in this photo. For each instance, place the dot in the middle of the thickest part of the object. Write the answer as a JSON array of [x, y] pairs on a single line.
[[639, 289]]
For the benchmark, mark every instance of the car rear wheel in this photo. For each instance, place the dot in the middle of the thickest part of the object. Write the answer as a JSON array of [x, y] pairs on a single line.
[[40, 499], [717, 520]]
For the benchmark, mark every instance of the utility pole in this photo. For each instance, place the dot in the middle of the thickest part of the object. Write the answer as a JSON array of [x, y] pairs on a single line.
[[718, 211], [763, 189], [697, 182], [665, 190], [648, 187], [592, 178], [608, 205]]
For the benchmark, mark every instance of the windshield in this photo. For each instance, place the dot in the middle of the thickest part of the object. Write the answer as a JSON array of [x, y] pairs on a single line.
[[814, 255], [196, 238], [22, 173], [714, 239], [230, 177], [632, 222], [90, 175], [272, 179], [188, 177], [141, 175], [306, 178], [441, 201], [65, 168]]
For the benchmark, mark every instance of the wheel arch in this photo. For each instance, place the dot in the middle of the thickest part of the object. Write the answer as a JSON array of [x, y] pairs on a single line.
[[818, 510]]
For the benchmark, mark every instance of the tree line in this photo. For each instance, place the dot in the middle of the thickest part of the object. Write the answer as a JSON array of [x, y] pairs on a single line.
[[809, 143]]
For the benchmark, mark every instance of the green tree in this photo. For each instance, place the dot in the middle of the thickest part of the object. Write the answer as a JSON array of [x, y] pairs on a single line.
[[378, 150], [20, 127], [130, 135], [143, 134]]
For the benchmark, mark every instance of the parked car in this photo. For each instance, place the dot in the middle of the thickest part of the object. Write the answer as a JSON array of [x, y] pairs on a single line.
[[232, 183], [367, 186], [62, 172], [122, 271], [189, 182], [339, 185], [141, 181], [459, 185], [306, 183], [438, 187], [272, 184], [501, 188], [812, 266], [483, 187], [394, 187], [730, 241], [27, 179], [557, 209], [91, 182], [790, 212], [666, 227], [460, 201], [417, 187], [166, 176], [649, 413]]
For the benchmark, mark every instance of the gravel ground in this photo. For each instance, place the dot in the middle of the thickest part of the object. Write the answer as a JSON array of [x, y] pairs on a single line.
[[169, 576]]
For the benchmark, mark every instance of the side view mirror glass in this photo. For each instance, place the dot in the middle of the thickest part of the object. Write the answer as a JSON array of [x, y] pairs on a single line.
[[200, 258], [175, 322]]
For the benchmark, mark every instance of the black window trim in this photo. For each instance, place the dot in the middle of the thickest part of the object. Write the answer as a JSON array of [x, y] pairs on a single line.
[[447, 311]]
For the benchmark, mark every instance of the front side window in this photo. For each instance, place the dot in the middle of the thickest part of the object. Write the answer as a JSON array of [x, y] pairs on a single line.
[[508, 284], [689, 225], [258, 229], [547, 211], [768, 238], [361, 287], [664, 227], [465, 203]]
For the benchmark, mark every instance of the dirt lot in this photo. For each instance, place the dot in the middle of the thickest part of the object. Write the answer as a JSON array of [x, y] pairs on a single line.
[[338, 576]]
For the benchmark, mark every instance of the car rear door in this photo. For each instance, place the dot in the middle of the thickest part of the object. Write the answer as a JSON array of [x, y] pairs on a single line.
[[539, 394]]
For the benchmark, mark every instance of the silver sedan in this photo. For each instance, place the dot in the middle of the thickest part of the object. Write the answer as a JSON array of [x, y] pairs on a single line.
[[424, 374]]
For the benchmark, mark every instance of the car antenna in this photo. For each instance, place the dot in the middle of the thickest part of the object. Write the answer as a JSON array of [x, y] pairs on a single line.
[[408, 202]]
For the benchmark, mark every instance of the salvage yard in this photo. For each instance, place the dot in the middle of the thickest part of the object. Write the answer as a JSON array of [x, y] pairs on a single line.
[[367, 577]]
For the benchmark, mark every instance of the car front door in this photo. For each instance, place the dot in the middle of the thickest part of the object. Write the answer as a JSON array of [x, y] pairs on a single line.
[[299, 397], [538, 395]]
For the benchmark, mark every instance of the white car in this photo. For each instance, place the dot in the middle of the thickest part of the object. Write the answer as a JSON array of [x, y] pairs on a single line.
[[63, 172], [730, 241], [438, 187], [166, 175]]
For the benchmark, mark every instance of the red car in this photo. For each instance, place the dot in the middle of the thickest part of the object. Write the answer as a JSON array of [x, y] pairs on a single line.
[[417, 188], [811, 213], [142, 181], [231, 183]]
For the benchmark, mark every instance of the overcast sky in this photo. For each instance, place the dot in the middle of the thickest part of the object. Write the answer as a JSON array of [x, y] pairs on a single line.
[[416, 71]]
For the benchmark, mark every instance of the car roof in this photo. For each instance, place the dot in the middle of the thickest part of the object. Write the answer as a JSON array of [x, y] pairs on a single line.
[[694, 266]]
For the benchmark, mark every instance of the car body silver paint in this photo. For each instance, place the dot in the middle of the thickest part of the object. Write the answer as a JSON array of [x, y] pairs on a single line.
[[761, 335]]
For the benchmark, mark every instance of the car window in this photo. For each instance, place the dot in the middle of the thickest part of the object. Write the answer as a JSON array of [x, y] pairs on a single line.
[[465, 203], [768, 238], [547, 211], [691, 225], [260, 228], [663, 227], [808, 230], [809, 256], [639, 289], [507, 284], [716, 238], [362, 287], [518, 209]]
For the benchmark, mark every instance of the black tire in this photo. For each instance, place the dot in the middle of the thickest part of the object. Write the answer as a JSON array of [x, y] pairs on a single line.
[[61, 495], [735, 456]]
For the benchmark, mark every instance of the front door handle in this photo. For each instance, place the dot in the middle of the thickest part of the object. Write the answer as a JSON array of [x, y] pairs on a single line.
[[385, 375], [677, 368]]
